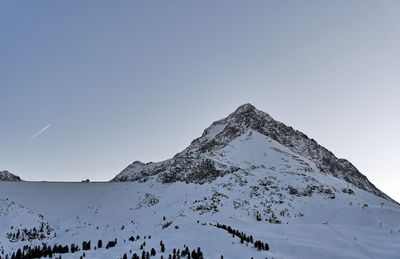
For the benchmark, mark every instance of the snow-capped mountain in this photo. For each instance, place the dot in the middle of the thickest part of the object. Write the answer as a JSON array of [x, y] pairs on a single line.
[[249, 187], [210, 155], [7, 176]]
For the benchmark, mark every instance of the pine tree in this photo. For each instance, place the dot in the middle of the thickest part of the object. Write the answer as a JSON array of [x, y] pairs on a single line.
[[19, 254]]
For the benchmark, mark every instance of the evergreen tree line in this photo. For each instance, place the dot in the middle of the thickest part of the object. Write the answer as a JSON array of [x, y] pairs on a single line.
[[176, 253], [47, 251], [38, 251], [234, 232], [243, 237], [185, 253], [39, 233]]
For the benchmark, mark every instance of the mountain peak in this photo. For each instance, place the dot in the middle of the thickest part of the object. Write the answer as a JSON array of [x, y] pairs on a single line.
[[247, 111], [9, 177], [247, 107], [247, 115], [207, 158]]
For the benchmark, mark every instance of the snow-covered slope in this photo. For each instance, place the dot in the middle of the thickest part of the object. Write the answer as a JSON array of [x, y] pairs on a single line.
[[236, 187], [287, 210], [7, 176]]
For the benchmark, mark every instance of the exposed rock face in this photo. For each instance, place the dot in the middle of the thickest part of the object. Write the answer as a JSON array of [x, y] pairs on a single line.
[[9, 177], [199, 163]]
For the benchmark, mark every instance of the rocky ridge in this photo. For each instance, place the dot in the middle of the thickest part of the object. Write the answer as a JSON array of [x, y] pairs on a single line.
[[9, 177], [200, 162]]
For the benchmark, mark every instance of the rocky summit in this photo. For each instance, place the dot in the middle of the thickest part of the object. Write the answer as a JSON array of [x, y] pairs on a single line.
[[7, 176]]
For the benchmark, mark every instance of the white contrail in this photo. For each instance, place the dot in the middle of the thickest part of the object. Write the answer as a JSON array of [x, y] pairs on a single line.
[[40, 132]]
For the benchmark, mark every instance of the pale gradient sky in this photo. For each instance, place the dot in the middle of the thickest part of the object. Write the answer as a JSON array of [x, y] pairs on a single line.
[[122, 80]]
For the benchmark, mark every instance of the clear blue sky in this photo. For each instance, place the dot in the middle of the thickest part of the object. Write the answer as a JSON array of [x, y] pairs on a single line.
[[138, 80]]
